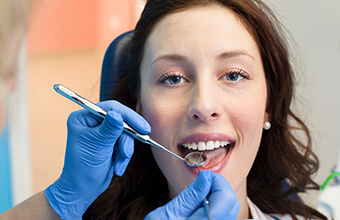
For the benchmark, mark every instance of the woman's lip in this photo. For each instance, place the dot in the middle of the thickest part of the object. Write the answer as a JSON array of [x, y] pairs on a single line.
[[205, 137]]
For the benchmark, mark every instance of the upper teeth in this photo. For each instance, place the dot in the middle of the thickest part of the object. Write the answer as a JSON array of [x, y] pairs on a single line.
[[209, 145]]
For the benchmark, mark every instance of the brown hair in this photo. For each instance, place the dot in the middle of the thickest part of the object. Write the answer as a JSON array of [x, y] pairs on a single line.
[[282, 157]]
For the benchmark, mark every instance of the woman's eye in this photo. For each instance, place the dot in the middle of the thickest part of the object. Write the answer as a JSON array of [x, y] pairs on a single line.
[[172, 79], [235, 75]]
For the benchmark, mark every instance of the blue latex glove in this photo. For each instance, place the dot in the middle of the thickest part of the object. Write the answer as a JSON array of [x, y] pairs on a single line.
[[96, 150], [188, 204]]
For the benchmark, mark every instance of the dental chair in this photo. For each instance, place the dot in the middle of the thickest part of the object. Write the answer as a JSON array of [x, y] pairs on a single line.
[[114, 65], [113, 69]]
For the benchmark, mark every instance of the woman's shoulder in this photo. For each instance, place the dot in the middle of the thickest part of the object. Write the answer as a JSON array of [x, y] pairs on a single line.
[[256, 213], [282, 217]]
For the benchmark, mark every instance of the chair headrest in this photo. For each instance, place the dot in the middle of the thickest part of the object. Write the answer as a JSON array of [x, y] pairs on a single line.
[[114, 64]]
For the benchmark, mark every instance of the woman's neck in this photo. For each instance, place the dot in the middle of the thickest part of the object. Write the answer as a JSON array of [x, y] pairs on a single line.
[[241, 194]]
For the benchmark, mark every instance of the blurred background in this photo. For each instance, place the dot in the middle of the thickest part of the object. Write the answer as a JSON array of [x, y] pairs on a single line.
[[66, 42]]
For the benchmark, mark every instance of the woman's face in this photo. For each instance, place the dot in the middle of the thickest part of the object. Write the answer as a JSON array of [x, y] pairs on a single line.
[[203, 87]]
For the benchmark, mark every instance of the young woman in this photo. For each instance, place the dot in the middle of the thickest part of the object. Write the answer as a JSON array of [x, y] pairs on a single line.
[[207, 75], [211, 75]]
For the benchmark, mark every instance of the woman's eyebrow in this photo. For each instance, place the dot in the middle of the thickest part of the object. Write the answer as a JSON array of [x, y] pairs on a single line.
[[170, 57], [224, 55], [234, 53]]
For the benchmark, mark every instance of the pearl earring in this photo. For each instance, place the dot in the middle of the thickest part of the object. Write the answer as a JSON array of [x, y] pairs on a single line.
[[267, 125]]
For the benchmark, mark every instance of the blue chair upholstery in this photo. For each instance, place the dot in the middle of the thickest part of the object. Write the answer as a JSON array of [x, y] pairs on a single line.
[[114, 64]]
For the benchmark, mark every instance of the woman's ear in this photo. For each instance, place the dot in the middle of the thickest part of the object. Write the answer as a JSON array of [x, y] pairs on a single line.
[[266, 123], [266, 117]]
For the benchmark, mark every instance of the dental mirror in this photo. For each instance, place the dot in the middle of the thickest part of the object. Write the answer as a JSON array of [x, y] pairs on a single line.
[[193, 159]]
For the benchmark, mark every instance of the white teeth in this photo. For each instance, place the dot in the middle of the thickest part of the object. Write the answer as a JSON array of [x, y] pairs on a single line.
[[209, 145], [217, 144], [224, 143], [201, 145]]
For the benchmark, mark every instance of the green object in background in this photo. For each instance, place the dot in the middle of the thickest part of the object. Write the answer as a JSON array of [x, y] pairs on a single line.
[[5, 171], [331, 176]]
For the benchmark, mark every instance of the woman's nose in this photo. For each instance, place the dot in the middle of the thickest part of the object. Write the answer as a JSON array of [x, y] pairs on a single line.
[[205, 104]]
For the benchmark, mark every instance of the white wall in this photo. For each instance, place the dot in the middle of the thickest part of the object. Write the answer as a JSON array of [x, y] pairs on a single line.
[[18, 121], [315, 27]]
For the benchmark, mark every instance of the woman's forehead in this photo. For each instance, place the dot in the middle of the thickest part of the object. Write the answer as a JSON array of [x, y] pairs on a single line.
[[210, 31]]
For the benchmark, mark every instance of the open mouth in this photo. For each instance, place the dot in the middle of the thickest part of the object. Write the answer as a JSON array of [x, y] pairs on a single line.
[[216, 151]]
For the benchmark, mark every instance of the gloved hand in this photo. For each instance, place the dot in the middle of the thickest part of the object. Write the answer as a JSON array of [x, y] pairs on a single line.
[[96, 150], [188, 204]]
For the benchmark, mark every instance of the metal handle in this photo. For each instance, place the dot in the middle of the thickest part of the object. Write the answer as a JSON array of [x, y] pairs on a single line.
[[93, 108]]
